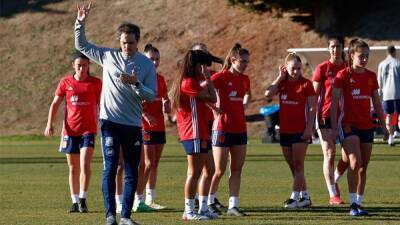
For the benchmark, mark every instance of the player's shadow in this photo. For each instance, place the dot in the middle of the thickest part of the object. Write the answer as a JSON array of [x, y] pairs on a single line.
[[9, 8]]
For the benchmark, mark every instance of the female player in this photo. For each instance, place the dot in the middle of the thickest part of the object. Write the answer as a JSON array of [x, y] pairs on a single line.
[[82, 96], [322, 81], [229, 129], [356, 86], [189, 99], [153, 139], [297, 105]]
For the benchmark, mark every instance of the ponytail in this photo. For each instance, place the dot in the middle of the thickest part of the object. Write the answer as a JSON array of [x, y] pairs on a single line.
[[150, 48], [236, 51]]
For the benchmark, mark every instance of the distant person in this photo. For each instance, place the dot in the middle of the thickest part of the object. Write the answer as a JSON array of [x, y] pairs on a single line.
[[129, 77], [153, 130], [189, 95], [229, 135], [81, 92], [356, 86], [297, 103], [322, 79], [389, 89], [209, 168]]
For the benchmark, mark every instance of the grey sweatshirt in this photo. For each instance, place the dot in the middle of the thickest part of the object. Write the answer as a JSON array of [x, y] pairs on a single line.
[[120, 103], [389, 79]]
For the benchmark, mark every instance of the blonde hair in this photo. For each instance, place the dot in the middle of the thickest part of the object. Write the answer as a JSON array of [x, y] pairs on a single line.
[[292, 56]]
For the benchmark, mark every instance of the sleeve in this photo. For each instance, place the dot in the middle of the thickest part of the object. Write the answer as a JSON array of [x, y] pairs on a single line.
[[215, 78], [309, 90], [246, 84], [338, 82], [375, 85], [317, 76], [148, 89], [60, 91], [190, 87], [90, 50]]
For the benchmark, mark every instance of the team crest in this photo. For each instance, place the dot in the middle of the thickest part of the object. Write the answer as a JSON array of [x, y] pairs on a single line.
[[146, 137], [346, 128], [221, 138]]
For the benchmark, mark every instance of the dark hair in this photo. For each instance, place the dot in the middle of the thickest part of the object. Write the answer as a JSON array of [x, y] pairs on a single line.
[[354, 45], [235, 51], [129, 28], [391, 50], [340, 39], [150, 48], [78, 54], [187, 69]]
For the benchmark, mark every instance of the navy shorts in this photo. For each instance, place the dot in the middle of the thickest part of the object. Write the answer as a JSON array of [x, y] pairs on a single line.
[[226, 139], [153, 137], [365, 135], [391, 106], [324, 123], [196, 146], [287, 140], [73, 144]]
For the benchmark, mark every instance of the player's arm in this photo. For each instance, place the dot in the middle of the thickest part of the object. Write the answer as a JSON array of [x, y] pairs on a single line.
[[273, 88], [208, 92], [379, 112], [311, 108], [336, 94], [317, 87], [49, 131], [246, 98]]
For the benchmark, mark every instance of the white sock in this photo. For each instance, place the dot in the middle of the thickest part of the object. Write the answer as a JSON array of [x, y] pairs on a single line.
[[332, 190], [360, 198], [353, 198], [82, 194], [211, 199], [75, 198], [233, 202], [189, 205], [337, 176], [203, 203], [139, 198], [118, 199], [295, 195], [304, 194], [150, 195], [196, 196]]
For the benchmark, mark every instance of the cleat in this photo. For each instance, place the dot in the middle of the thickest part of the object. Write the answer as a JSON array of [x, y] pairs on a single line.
[[118, 207], [219, 204], [74, 208], [209, 214], [304, 203], [127, 221], [354, 210], [214, 209], [142, 207], [290, 204], [361, 211], [110, 220], [193, 216], [82, 206], [235, 211], [156, 206], [335, 200]]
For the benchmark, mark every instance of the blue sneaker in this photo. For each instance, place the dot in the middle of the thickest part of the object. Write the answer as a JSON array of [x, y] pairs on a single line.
[[354, 210], [362, 212]]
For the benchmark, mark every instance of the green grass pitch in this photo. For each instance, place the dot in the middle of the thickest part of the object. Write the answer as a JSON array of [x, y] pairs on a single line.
[[34, 187]]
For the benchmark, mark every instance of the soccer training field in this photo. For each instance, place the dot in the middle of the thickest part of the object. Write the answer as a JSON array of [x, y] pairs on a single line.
[[34, 187]]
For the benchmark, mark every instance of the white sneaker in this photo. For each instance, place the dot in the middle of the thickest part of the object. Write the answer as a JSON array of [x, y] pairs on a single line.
[[391, 140], [396, 134], [193, 216], [155, 205], [290, 204], [209, 214], [118, 207], [304, 203]]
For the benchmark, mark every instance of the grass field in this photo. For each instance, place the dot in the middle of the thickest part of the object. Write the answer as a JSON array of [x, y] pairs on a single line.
[[34, 187]]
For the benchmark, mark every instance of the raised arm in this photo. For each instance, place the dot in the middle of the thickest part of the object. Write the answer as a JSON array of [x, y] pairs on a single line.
[[273, 88], [81, 44]]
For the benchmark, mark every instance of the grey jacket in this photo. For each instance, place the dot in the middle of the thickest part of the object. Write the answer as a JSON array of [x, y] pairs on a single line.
[[389, 79]]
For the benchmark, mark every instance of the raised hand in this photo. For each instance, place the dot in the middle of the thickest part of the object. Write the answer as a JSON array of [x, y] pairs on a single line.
[[83, 11]]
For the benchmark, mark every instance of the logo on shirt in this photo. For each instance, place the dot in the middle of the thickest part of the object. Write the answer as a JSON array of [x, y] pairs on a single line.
[[229, 83], [356, 91], [283, 97], [233, 94], [109, 141], [74, 99], [330, 72], [69, 88]]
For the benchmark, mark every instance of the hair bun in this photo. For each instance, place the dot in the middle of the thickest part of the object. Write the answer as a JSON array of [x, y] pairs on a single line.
[[237, 45]]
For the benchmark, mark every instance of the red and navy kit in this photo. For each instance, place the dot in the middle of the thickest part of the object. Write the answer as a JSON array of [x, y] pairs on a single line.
[[325, 74], [81, 107], [357, 90], [191, 114], [155, 108], [231, 89], [292, 101]]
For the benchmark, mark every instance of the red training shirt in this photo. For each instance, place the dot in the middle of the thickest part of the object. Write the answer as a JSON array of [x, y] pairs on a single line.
[[82, 100], [231, 90], [292, 105]]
